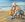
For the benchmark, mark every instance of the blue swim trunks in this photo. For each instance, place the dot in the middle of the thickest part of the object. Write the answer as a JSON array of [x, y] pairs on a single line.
[[17, 12], [21, 12]]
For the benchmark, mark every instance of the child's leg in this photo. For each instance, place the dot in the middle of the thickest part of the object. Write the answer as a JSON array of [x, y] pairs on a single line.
[[18, 15], [13, 16]]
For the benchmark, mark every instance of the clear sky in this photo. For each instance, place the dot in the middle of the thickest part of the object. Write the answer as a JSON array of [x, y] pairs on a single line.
[[4, 4]]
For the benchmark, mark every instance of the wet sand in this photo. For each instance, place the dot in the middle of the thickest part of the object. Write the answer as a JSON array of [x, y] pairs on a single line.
[[5, 18]]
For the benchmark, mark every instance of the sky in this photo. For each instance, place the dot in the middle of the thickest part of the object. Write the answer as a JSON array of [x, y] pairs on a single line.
[[6, 4]]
